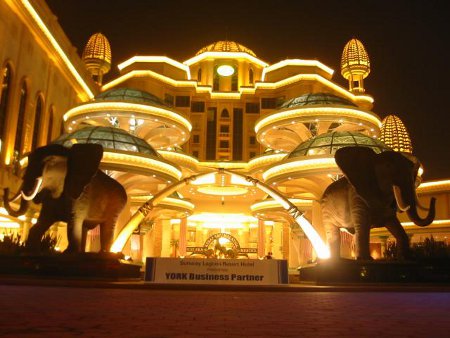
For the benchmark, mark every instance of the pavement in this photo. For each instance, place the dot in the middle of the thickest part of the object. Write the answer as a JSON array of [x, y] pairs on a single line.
[[31, 307]]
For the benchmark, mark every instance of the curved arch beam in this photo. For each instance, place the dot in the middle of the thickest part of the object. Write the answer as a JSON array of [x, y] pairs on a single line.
[[319, 246]]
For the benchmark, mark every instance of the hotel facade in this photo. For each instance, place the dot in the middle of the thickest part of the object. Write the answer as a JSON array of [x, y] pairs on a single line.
[[165, 121]]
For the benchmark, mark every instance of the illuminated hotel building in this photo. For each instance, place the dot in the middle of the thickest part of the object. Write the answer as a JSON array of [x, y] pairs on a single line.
[[162, 120]]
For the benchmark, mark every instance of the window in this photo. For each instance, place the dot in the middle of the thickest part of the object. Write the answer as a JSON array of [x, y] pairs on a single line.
[[199, 75], [50, 125], [196, 139], [268, 103], [168, 99], [195, 153], [252, 140], [224, 128], [252, 108], [252, 154], [225, 114], [234, 82], [250, 76], [4, 100], [224, 144], [182, 101], [18, 142], [197, 106], [37, 122]]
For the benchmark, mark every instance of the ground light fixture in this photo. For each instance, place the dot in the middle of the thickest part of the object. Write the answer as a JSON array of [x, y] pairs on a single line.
[[318, 244], [225, 70]]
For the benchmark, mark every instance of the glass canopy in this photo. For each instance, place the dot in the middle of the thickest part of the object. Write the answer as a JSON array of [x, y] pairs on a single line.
[[316, 99], [109, 138], [327, 144]]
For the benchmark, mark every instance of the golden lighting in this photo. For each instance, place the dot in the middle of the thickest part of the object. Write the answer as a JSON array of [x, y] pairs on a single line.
[[430, 186], [296, 62], [142, 162], [223, 191], [220, 221], [298, 113], [225, 55], [355, 60], [272, 204], [101, 107], [57, 47], [297, 166], [225, 70], [264, 160], [155, 59], [395, 135]]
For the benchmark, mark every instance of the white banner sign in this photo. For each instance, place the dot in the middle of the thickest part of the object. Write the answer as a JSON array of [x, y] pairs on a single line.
[[216, 271]]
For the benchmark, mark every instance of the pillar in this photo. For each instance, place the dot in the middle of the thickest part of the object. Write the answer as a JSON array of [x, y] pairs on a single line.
[[166, 232], [261, 239], [183, 237]]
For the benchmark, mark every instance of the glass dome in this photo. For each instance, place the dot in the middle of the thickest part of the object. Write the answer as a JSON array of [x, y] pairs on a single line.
[[316, 99], [129, 95], [109, 137], [327, 144]]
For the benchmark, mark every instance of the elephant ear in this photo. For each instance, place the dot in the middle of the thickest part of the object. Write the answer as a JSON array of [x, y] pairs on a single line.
[[358, 165], [82, 165]]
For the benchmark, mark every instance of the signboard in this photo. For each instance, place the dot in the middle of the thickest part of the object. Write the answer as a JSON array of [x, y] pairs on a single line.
[[216, 271]]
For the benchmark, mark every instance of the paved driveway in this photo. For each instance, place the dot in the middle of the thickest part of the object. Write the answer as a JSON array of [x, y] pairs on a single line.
[[40, 311]]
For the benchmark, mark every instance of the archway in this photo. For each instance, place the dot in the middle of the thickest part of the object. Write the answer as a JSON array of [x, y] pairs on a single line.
[[318, 244]]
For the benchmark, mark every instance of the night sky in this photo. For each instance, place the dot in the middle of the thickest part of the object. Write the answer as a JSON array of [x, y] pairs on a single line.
[[407, 42]]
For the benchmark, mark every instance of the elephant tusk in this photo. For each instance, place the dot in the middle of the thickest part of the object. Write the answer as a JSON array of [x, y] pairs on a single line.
[[37, 188], [398, 198]]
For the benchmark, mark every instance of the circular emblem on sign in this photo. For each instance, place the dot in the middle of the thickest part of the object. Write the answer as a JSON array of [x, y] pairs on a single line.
[[221, 245]]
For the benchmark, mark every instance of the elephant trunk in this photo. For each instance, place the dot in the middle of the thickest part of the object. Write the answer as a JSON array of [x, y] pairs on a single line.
[[6, 202], [413, 215]]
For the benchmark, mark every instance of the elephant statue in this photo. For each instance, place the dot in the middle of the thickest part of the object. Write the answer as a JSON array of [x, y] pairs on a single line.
[[374, 188], [72, 189]]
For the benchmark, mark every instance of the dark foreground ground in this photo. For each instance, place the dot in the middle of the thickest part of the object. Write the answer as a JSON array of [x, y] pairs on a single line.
[[85, 311]]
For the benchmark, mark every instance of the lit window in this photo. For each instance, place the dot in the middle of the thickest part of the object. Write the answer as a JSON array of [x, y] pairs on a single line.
[[18, 143], [37, 121], [4, 99]]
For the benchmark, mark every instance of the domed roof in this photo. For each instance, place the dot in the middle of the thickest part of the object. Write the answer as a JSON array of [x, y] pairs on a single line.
[[316, 99], [130, 95], [226, 46], [355, 60], [395, 135], [327, 144], [97, 54], [109, 137]]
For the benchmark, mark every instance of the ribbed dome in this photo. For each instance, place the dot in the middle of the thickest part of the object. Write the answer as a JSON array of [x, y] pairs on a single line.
[[97, 54], [327, 144], [130, 95], [109, 137], [395, 135], [355, 60], [316, 99], [226, 46]]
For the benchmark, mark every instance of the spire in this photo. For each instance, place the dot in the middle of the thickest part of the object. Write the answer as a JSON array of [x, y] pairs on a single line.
[[355, 65], [97, 56]]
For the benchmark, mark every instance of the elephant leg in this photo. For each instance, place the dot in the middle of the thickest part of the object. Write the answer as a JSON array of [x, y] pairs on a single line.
[[362, 240], [75, 234], [402, 239], [106, 235], [36, 232], [334, 239]]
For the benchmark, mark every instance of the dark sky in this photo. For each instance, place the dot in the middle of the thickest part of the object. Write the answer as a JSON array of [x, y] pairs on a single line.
[[407, 42]]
